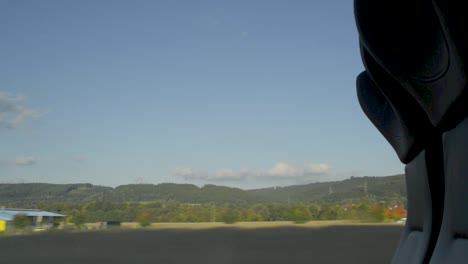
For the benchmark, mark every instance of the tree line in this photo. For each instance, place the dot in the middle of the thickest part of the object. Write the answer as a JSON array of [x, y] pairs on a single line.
[[173, 211]]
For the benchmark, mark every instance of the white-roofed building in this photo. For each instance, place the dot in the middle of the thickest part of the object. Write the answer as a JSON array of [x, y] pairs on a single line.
[[36, 216]]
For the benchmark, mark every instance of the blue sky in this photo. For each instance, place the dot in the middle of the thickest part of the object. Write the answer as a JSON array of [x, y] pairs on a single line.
[[238, 93]]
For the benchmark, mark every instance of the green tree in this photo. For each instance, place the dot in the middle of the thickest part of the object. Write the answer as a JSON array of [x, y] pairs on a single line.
[[376, 214], [277, 212], [144, 219], [328, 212], [314, 210], [299, 214], [250, 215], [229, 216], [79, 218], [21, 221], [262, 211]]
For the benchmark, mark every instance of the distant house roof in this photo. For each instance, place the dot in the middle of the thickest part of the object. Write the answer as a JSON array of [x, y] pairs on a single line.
[[9, 214], [5, 217]]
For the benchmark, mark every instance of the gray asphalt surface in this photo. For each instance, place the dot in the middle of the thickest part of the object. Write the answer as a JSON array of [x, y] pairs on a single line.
[[336, 244]]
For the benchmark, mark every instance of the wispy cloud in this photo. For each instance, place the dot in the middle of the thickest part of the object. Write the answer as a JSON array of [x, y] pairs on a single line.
[[279, 171], [285, 170], [218, 175], [25, 161], [14, 112]]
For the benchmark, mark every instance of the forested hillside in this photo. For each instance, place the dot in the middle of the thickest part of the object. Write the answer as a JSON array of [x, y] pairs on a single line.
[[27, 193], [353, 189], [349, 190]]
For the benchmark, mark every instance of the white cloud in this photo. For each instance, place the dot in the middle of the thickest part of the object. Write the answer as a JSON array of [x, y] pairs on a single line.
[[224, 174], [280, 170], [25, 161], [316, 169], [184, 172], [13, 111], [284, 170]]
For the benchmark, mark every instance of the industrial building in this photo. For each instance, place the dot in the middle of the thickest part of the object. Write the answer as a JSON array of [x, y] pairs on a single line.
[[36, 217]]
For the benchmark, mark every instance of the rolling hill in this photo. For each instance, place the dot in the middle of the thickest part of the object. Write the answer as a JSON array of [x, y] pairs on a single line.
[[355, 188]]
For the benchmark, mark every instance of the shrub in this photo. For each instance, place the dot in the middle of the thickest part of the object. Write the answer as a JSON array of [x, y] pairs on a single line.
[[144, 219], [21, 221], [78, 218], [229, 216]]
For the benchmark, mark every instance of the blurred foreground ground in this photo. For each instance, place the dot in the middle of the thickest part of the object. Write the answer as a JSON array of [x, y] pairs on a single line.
[[217, 245]]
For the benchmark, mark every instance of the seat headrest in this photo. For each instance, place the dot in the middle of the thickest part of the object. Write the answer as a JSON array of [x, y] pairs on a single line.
[[407, 136], [411, 113], [407, 40], [403, 35], [453, 18]]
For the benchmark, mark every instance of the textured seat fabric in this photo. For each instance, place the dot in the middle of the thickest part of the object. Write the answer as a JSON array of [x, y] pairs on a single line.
[[416, 237], [422, 225], [452, 244]]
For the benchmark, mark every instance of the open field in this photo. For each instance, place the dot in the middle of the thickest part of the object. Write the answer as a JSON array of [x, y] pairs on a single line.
[[287, 243], [249, 225]]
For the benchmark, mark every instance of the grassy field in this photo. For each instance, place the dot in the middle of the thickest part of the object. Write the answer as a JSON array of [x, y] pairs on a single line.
[[211, 243], [248, 225]]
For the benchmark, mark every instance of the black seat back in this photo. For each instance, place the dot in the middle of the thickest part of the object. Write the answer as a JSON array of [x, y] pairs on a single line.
[[422, 225], [416, 51], [452, 243]]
